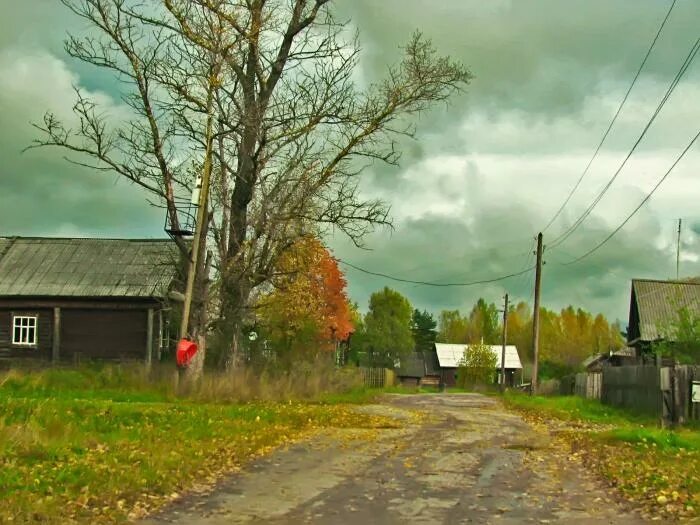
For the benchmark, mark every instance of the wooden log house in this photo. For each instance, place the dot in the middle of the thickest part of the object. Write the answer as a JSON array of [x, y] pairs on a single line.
[[73, 300]]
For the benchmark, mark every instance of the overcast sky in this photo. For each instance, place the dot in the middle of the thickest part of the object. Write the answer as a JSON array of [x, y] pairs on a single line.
[[484, 175]]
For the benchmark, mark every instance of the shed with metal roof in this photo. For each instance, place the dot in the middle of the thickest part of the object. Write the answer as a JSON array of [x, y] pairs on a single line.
[[84, 298]]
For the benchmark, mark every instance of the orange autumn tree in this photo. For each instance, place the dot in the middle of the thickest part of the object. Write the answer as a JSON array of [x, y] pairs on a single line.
[[306, 310]]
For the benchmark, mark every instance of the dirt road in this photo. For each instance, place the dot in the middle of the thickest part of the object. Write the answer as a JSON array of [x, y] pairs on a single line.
[[469, 462]]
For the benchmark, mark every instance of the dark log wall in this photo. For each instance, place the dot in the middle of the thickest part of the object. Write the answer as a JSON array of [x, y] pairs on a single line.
[[44, 334], [89, 329], [449, 376], [103, 334]]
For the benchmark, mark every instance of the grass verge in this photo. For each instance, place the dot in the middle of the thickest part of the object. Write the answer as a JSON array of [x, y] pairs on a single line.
[[76, 451], [657, 468]]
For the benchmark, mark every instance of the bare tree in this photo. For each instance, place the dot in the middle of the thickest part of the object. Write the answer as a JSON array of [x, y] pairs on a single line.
[[265, 93]]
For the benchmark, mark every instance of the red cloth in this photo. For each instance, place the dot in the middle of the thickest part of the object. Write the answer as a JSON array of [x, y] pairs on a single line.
[[185, 352]]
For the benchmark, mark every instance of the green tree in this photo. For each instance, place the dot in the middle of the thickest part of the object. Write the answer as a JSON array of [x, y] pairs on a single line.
[[681, 337], [520, 329], [484, 323], [387, 332], [478, 366], [423, 326], [452, 327]]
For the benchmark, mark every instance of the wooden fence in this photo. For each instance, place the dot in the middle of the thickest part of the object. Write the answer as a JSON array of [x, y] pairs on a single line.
[[635, 388], [650, 390], [377, 377], [589, 386]]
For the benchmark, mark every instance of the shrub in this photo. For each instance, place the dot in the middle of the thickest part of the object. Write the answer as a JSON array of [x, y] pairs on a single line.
[[478, 367]]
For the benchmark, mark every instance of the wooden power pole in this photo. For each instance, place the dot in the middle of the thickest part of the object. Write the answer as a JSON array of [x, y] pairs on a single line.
[[503, 349], [536, 316], [678, 251], [199, 228]]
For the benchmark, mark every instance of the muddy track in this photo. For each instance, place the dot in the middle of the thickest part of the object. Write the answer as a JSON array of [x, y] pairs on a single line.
[[469, 461]]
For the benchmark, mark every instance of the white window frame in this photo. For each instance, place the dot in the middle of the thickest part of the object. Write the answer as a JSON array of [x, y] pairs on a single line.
[[26, 324]]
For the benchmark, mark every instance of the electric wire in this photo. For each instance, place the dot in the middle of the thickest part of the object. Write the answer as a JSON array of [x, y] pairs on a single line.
[[614, 119], [686, 64], [428, 283], [642, 203]]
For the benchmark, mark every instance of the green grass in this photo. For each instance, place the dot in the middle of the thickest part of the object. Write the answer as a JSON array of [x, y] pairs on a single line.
[[660, 468], [664, 440], [95, 445], [574, 408]]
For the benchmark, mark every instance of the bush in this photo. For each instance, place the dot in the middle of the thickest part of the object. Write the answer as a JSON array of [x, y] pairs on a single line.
[[478, 367]]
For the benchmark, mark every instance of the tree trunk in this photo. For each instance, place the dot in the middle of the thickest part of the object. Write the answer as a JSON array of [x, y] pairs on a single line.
[[192, 375], [233, 311]]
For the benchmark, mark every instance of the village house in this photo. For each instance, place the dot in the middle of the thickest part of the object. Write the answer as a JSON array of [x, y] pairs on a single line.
[[419, 369], [451, 355], [654, 312], [69, 300]]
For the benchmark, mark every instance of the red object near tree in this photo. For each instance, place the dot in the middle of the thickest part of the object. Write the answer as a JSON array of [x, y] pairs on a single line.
[[186, 350]]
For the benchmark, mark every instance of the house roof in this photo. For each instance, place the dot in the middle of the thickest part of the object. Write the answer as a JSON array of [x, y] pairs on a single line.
[[41, 267], [419, 364], [658, 304], [450, 355]]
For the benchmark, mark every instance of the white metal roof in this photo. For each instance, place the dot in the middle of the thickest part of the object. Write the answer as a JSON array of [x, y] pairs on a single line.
[[450, 355]]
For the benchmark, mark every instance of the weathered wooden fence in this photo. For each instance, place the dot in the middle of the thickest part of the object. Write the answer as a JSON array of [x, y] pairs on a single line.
[[589, 386], [657, 392], [636, 388], [685, 376], [377, 377]]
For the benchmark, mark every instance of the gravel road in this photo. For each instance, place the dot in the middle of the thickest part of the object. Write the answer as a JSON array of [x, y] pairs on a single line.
[[468, 461]]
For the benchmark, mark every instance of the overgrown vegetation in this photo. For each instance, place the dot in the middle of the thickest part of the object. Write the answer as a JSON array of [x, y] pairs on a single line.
[[681, 337], [102, 445], [656, 467], [478, 367]]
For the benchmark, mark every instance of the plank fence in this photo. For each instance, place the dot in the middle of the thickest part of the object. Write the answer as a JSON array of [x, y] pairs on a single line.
[[377, 377], [644, 389], [589, 386], [635, 388]]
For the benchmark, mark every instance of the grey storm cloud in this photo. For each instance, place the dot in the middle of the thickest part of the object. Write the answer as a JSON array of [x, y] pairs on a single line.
[[484, 173]]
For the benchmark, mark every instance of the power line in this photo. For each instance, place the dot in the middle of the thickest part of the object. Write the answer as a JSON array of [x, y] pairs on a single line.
[[614, 119], [507, 256], [427, 283], [688, 60], [642, 203]]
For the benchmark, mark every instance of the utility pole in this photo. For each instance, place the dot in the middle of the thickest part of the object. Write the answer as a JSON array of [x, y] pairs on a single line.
[[678, 251], [503, 350], [536, 316], [199, 238]]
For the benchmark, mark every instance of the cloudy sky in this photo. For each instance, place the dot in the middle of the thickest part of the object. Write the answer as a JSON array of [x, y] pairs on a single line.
[[484, 175]]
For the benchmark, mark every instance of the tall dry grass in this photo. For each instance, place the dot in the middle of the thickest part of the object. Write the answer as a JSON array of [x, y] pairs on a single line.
[[135, 382]]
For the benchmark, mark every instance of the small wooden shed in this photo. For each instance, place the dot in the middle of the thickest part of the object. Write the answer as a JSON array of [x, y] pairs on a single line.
[[66, 299], [419, 369]]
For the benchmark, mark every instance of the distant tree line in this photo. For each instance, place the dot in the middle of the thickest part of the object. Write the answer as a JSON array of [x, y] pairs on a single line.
[[391, 328]]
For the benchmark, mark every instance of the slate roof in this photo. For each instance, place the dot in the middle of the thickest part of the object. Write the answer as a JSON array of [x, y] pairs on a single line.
[[450, 355], [658, 304], [419, 364], [61, 267]]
